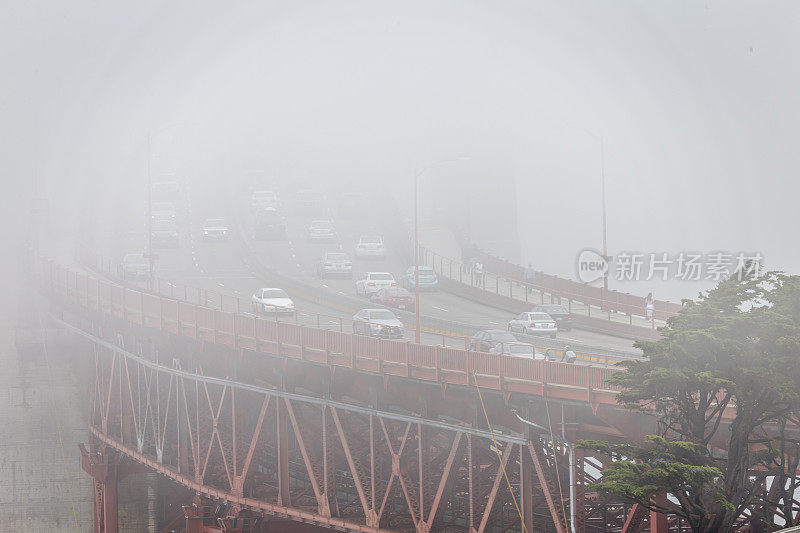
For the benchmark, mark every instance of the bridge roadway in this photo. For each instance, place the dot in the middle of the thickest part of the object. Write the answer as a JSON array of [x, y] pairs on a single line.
[[220, 267]]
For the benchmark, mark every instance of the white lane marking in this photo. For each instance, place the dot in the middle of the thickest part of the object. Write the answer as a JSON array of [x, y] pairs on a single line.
[[298, 265], [343, 294], [325, 286], [221, 284], [440, 309], [494, 323]]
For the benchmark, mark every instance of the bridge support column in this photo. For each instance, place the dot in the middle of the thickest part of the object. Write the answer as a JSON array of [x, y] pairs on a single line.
[[107, 472], [526, 488], [658, 521], [284, 497]]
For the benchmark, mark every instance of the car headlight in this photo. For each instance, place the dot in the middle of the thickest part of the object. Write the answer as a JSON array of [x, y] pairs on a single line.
[[375, 326], [205, 233]]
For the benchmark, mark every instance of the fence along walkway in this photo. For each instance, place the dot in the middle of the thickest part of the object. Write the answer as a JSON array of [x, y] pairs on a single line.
[[330, 347], [506, 279]]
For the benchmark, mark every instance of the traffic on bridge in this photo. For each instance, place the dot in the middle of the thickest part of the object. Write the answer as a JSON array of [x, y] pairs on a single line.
[[403, 267]]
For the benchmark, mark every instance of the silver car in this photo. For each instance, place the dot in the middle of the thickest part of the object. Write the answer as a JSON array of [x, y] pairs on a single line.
[[377, 323], [335, 264], [135, 267], [321, 231], [215, 229]]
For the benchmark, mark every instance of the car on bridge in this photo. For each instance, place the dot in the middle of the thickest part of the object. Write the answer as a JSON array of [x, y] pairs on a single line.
[[370, 247], [372, 282], [491, 339], [521, 349], [427, 278], [135, 267], [321, 231], [272, 300], [263, 200], [309, 202], [377, 323], [335, 264], [394, 297], [558, 313], [536, 324], [163, 211], [268, 224], [164, 233], [215, 229]]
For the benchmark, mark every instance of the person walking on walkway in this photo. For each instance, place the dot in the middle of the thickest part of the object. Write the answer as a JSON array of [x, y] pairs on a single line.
[[649, 306], [529, 276], [478, 273]]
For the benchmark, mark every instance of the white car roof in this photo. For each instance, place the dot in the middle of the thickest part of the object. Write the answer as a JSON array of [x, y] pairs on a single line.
[[370, 273]]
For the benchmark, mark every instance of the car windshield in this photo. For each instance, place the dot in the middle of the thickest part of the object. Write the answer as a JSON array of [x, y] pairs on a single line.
[[540, 316], [134, 259], [275, 293], [381, 276], [371, 240], [382, 315], [163, 206], [263, 195], [336, 257], [425, 271], [215, 222], [503, 336], [321, 224]]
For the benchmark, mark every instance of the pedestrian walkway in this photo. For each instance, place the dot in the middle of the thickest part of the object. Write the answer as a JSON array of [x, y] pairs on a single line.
[[439, 248]]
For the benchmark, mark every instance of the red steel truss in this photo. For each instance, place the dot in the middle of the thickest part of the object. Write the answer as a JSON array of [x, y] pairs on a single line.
[[269, 424], [271, 453]]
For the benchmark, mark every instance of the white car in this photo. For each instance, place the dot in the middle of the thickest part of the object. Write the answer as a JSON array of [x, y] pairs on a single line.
[[163, 211], [215, 229], [534, 323], [335, 264], [272, 300], [321, 231], [372, 282], [135, 267], [263, 200], [370, 246], [377, 323]]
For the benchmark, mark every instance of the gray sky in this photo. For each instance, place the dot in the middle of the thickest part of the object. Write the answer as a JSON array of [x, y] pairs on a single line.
[[696, 102]]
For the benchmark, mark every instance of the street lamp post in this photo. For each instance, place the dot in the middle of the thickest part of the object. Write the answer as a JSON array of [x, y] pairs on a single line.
[[417, 174], [605, 247]]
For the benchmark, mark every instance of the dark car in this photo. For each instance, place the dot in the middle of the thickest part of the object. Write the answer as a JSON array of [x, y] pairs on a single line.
[[269, 225], [558, 313], [309, 202], [491, 340], [165, 234], [394, 297]]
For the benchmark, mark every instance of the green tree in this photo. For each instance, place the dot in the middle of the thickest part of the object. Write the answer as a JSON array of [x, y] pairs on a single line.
[[723, 377]]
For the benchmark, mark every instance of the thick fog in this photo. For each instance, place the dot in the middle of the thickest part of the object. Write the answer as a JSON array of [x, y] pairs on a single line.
[[695, 102]]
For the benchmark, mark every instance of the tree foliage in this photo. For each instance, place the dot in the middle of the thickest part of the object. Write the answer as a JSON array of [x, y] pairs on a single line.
[[723, 382]]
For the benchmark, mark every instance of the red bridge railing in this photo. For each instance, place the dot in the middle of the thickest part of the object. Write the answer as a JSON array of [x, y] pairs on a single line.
[[406, 359]]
